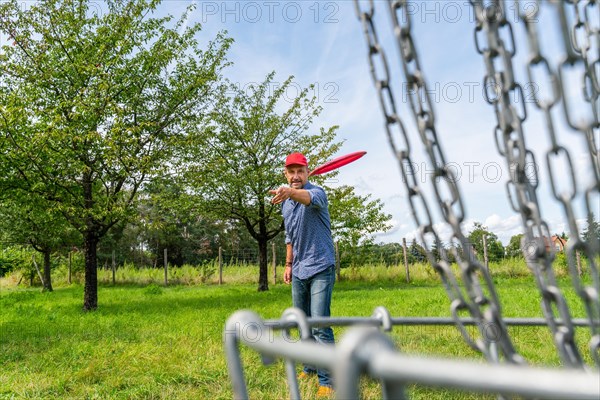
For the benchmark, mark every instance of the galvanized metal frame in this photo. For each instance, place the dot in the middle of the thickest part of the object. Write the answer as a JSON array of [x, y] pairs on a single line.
[[366, 351]]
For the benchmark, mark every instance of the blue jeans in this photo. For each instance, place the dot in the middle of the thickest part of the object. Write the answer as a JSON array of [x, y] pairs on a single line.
[[313, 296]]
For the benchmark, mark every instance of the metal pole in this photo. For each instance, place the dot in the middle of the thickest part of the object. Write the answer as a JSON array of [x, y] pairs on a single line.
[[529, 382], [315, 322]]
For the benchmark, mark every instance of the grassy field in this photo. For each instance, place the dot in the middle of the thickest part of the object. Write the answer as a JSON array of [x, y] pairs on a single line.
[[150, 342]]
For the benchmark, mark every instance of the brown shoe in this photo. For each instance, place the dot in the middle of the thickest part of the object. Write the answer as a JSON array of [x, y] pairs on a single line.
[[325, 391]]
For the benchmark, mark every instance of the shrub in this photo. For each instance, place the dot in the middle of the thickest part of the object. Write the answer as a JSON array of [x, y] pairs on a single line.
[[153, 289], [561, 264], [207, 270]]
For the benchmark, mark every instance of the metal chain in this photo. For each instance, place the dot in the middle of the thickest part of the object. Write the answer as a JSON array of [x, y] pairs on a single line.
[[578, 53], [483, 308], [501, 87], [539, 257], [588, 294], [591, 35]]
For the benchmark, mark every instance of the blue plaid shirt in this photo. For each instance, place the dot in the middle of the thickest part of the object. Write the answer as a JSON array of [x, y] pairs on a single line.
[[308, 229]]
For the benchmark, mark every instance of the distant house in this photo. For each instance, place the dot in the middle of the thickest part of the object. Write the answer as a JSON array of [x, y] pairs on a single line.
[[557, 242]]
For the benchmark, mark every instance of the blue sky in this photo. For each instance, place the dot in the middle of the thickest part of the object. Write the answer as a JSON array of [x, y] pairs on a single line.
[[322, 43]]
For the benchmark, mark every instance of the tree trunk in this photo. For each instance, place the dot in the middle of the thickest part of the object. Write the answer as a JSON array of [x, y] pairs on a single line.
[[47, 277], [90, 293], [263, 275], [90, 289]]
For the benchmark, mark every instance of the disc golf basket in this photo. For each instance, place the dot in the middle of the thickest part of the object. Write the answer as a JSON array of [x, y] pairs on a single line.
[[365, 349]]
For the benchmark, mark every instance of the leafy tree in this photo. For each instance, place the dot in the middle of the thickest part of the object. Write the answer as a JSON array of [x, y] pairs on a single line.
[[240, 156], [14, 257], [166, 222], [31, 221], [169, 221], [92, 106], [513, 249], [355, 218], [391, 253], [495, 250]]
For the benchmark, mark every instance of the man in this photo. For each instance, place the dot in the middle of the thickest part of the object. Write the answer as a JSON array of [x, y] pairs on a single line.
[[310, 257]]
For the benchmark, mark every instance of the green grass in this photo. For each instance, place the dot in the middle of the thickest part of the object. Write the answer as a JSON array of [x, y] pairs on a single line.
[[151, 342]]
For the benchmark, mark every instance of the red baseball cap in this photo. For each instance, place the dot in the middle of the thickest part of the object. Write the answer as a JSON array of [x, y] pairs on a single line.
[[296, 159]]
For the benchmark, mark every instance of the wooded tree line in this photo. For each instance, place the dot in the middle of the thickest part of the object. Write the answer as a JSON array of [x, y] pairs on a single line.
[[199, 241], [120, 129], [393, 253]]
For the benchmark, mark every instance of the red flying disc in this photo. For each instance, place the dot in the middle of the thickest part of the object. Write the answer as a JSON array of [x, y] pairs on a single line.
[[337, 162]]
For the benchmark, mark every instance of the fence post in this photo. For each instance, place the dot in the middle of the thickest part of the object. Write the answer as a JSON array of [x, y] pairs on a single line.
[[166, 268], [485, 253], [114, 267], [337, 261], [220, 265], [404, 250], [578, 258], [274, 261], [70, 256]]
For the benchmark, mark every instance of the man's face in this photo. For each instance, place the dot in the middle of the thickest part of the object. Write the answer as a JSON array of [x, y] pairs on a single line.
[[296, 175]]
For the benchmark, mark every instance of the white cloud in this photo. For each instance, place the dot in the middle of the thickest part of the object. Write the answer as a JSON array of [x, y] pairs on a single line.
[[504, 228]]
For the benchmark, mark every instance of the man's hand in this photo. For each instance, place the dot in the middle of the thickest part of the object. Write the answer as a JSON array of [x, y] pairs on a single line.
[[287, 275], [281, 194]]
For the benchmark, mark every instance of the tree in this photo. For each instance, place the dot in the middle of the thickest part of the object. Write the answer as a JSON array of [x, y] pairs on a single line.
[[93, 106], [564, 236], [416, 252], [172, 221], [513, 249], [355, 218], [436, 249], [241, 156], [495, 250], [591, 234], [30, 220]]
